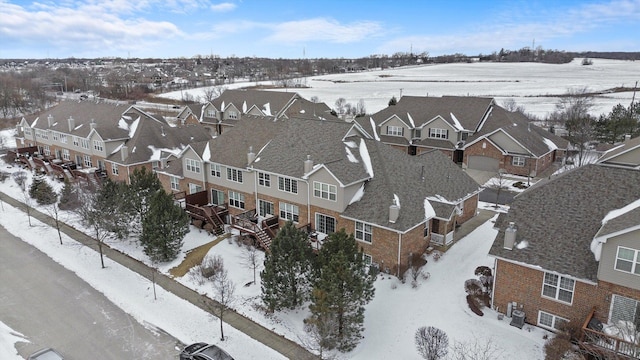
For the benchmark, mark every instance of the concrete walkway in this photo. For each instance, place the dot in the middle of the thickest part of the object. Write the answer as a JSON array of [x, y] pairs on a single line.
[[472, 224], [277, 342]]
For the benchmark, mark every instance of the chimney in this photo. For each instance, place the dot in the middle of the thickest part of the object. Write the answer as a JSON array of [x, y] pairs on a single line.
[[72, 123], [49, 120], [394, 212], [92, 124], [308, 165], [124, 152], [510, 236], [251, 156]]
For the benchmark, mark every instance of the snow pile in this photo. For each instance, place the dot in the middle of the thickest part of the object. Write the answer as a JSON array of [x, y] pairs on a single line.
[[358, 195], [206, 154], [596, 243], [428, 210], [8, 337], [456, 123], [366, 159], [133, 127], [522, 245], [267, 109], [413, 124], [244, 107], [156, 152], [122, 124], [550, 144], [350, 155], [396, 200], [373, 128]]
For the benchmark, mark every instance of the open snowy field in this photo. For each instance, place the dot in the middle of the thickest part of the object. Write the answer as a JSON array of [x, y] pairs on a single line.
[[535, 86], [391, 318]]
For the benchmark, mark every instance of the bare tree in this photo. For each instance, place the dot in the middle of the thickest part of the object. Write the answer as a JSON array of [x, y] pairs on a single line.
[[498, 183], [476, 349], [54, 212], [340, 105], [320, 334], [224, 295], [93, 216], [432, 343], [511, 106], [573, 110], [213, 92], [251, 259]]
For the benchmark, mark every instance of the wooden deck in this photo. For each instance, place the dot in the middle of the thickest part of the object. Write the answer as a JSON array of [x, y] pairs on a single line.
[[263, 230], [598, 343], [207, 216]]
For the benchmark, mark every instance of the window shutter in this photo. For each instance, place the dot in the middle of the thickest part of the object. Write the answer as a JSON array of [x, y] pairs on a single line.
[[402, 131], [387, 129], [447, 133]]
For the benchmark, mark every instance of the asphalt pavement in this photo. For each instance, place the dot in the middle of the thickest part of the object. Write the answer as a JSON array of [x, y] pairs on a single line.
[[52, 307]]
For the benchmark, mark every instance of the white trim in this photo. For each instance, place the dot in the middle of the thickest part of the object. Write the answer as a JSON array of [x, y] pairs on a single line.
[[554, 319]]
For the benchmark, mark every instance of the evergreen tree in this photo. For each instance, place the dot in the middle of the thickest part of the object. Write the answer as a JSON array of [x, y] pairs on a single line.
[[143, 185], [41, 191], [111, 204], [163, 228], [285, 278], [341, 289], [393, 101], [612, 128], [68, 197]]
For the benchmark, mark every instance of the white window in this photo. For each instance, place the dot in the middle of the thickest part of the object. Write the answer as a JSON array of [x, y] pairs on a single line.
[[558, 287], [264, 179], [265, 208], [236, 199], [234, 175], [324, 191], [624, 309], [175, 183], [55, 135], [27, 131], [65, 154], [289, 212], [155, 164], [84, 143], [101, 165], [288, 185], [98, 145], [216, 170], [367, 259], [193, 165], [76, 141], [395, 130], [115, 171], [438, 133], [211, 113], [363, 232], [87, 161], [325, 224], [518, 161], [627, 260], [217, 197], [193, 188], [232, 114], [550, 321], [47, 150], [63, 138]]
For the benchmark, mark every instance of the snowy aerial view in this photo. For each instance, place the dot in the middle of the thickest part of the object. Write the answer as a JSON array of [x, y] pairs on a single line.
[[238, 179]]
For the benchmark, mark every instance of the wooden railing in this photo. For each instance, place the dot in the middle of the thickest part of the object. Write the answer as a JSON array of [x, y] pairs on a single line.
[[607, 342]]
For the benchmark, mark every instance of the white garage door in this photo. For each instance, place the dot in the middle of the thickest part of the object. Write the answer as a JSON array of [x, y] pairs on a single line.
[[484, 163]]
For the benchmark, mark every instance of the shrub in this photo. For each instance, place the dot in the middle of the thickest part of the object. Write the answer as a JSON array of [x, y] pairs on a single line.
[[432, 343], [473, 287], [473, 305], [3, 176]]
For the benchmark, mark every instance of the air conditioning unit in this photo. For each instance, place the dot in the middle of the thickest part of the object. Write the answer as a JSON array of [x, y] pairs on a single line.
[[517, 318]]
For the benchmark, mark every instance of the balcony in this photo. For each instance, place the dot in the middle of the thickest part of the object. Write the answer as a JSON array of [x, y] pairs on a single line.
[[440, 239], [597, 342], [262, 229]]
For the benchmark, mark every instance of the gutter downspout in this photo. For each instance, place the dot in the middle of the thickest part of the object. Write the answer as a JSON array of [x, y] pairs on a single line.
[[495, 277], [399, 248], [255, 190], [308, 202]]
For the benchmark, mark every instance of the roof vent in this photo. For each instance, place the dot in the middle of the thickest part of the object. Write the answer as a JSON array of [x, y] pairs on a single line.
[[251, 156], [510, 236], [308, 165]]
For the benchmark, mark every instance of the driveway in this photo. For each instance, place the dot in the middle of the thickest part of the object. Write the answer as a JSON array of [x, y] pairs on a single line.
[[481, 177], [52, 307]]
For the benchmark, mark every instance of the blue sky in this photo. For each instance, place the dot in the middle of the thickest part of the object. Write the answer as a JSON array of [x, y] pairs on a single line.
[[313, 29]]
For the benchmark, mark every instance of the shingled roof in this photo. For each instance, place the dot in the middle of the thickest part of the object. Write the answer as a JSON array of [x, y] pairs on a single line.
[[626, 147], [245, 99], [557, 221], [468, 111]]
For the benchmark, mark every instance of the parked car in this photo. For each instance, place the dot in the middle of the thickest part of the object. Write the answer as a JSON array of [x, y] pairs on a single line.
[[204, 351], [45, 354]]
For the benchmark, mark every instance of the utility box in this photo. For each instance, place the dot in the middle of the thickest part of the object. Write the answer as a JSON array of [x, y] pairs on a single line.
[[517, 318]]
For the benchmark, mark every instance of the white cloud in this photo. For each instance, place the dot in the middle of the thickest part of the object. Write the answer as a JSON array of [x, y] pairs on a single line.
[[322, 29], [223, 7]]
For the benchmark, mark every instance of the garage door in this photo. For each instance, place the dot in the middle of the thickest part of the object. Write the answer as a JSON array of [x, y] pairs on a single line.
[[484, 163]]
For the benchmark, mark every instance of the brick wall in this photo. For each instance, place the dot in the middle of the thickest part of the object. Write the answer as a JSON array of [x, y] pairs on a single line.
[[524, 285], [469, 210], [489, 150]]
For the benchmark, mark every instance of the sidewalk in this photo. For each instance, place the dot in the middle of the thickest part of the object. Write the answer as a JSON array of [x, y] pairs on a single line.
[[277, 342]]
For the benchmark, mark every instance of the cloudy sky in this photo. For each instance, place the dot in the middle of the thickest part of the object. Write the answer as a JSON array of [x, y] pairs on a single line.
[[312, 29]]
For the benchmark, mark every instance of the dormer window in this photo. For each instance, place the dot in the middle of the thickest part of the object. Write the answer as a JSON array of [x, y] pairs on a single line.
[[211, 113], [232, 115], [395, 130], [438, 133]]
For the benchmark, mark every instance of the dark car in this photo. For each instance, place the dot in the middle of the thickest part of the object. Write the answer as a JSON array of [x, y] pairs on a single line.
[[203, 351]]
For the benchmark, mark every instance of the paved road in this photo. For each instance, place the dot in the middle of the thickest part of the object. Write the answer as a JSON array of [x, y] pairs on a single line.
[[287, 348], [489, 195], [53, 307]]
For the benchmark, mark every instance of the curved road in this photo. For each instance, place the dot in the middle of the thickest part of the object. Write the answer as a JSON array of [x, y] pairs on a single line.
[[52, 307]]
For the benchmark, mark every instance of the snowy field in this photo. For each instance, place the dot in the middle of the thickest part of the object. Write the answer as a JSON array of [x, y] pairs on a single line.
[[532, 85], [391, 318]]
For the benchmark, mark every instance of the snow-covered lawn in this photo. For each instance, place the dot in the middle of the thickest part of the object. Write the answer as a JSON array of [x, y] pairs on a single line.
[[535, 86], [391, 319]]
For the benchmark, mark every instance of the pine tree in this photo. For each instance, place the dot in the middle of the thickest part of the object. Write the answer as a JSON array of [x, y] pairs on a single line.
[[41, 191], [342, 289], [163, 228], [285, 278], [143, 185], [111, 202], [68, 197]]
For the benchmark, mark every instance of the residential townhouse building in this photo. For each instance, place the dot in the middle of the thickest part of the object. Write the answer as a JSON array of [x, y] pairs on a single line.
[[569, 251], [76, 139], [474, 132], [327, 175], [232, 105]]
